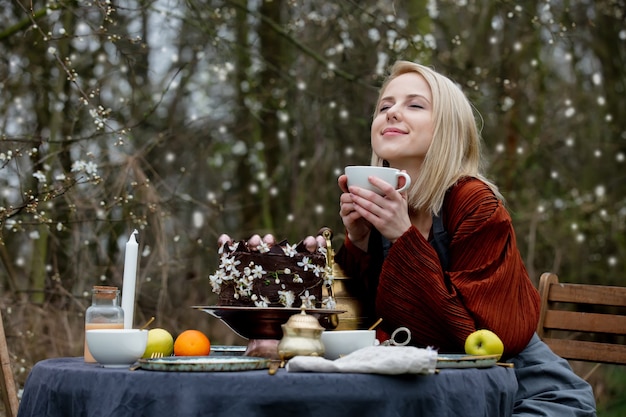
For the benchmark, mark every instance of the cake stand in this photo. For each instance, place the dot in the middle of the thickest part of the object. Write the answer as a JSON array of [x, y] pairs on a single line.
[[262, 325]]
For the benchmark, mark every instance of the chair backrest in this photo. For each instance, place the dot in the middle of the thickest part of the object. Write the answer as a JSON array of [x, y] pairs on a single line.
[[9, 393], [583, 322]]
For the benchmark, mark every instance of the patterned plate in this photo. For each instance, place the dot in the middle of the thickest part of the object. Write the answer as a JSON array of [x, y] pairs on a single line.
[[466, 361], [204, 363]]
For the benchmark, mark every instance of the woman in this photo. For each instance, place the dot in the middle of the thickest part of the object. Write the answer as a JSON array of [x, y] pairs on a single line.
[[442, 259]]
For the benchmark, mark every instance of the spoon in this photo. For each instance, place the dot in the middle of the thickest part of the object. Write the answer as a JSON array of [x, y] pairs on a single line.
[[373, 326], [147, 323]]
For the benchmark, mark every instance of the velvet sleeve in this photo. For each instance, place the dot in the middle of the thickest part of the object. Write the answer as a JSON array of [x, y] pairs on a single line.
[[487, 285]]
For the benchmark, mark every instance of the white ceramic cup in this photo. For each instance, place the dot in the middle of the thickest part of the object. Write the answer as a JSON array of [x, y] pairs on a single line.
[[338, 343], [358, 175]]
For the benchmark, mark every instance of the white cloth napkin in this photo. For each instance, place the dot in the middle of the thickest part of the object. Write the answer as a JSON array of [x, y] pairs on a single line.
[[371, 360]]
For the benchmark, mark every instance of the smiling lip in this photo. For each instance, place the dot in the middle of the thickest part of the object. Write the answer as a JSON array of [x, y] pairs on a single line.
[[393, 131]]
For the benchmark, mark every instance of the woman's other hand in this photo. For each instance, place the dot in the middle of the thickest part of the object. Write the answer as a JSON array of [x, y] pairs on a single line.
[[362, 209]]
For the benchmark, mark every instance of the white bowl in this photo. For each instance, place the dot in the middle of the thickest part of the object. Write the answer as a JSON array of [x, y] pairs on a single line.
[[339, 343], [115, 348]]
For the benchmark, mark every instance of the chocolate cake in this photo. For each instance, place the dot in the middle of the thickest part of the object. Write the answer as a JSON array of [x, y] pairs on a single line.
[[278, 276]]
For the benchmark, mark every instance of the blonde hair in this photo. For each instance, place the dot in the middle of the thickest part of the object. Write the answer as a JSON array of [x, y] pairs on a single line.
[[455, 149]]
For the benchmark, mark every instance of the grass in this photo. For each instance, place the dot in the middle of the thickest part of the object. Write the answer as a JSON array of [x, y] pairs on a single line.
[[611, 394]]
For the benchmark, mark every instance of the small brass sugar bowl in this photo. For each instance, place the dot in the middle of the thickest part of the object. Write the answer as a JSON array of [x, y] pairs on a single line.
[[302, 336]]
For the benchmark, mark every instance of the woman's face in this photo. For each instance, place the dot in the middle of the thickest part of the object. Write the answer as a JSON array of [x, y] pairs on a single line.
[[402, 129]]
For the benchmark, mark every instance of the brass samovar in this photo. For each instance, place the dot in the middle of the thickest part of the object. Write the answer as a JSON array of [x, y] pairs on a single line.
[[353, 318]]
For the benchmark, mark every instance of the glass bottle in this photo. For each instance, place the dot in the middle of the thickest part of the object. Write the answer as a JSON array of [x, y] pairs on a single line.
[[105, 312]]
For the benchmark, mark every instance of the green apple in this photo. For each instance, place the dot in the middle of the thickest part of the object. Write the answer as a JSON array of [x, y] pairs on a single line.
[[160, 341], [484, 342]]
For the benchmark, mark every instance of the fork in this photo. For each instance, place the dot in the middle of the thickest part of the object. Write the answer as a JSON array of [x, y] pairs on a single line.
[[153, 355]]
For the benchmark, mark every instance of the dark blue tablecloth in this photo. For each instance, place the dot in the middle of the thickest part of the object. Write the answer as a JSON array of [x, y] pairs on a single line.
[[68, 387]]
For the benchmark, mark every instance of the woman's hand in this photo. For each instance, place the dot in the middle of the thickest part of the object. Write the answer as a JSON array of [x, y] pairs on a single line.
[[357, 228], [361, 209]]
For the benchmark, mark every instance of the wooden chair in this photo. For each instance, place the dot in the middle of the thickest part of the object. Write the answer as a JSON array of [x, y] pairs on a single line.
[[583, 322], [9, 393]]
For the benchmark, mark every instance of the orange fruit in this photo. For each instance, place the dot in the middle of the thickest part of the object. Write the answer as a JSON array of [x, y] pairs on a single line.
[[192, 343]]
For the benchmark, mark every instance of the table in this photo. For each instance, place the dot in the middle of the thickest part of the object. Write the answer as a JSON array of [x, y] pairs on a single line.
[[66, 387]]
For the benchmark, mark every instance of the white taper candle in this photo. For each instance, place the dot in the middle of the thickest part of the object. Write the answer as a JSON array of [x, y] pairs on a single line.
[[130, 280]]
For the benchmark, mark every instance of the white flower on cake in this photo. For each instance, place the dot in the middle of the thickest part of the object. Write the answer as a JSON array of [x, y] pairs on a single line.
[[290, 250], [263, 302], [297, 279], [256, 271], [318, 270], [286, 298], [308, 301], [328, 280], [231, 248], [243, 287], [305, 263], [217, 279], [329, 303], [229, 264], [263, 247]]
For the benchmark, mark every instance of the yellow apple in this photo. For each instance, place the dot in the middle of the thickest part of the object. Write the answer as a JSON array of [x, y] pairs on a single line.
[[484, 342], [160, 341]]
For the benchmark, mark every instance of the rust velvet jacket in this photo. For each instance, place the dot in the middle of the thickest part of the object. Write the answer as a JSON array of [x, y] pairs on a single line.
[[485, 286]]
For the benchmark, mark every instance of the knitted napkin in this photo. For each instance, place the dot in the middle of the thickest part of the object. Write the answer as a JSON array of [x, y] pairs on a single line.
[[371, 360]]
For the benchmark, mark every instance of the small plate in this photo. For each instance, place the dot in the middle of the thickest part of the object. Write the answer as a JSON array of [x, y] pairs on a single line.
[[466, 361], [204, 363], [227, 350]]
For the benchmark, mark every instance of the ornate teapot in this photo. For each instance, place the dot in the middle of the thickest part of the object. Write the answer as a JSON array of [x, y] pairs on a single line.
[[302, 335]]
